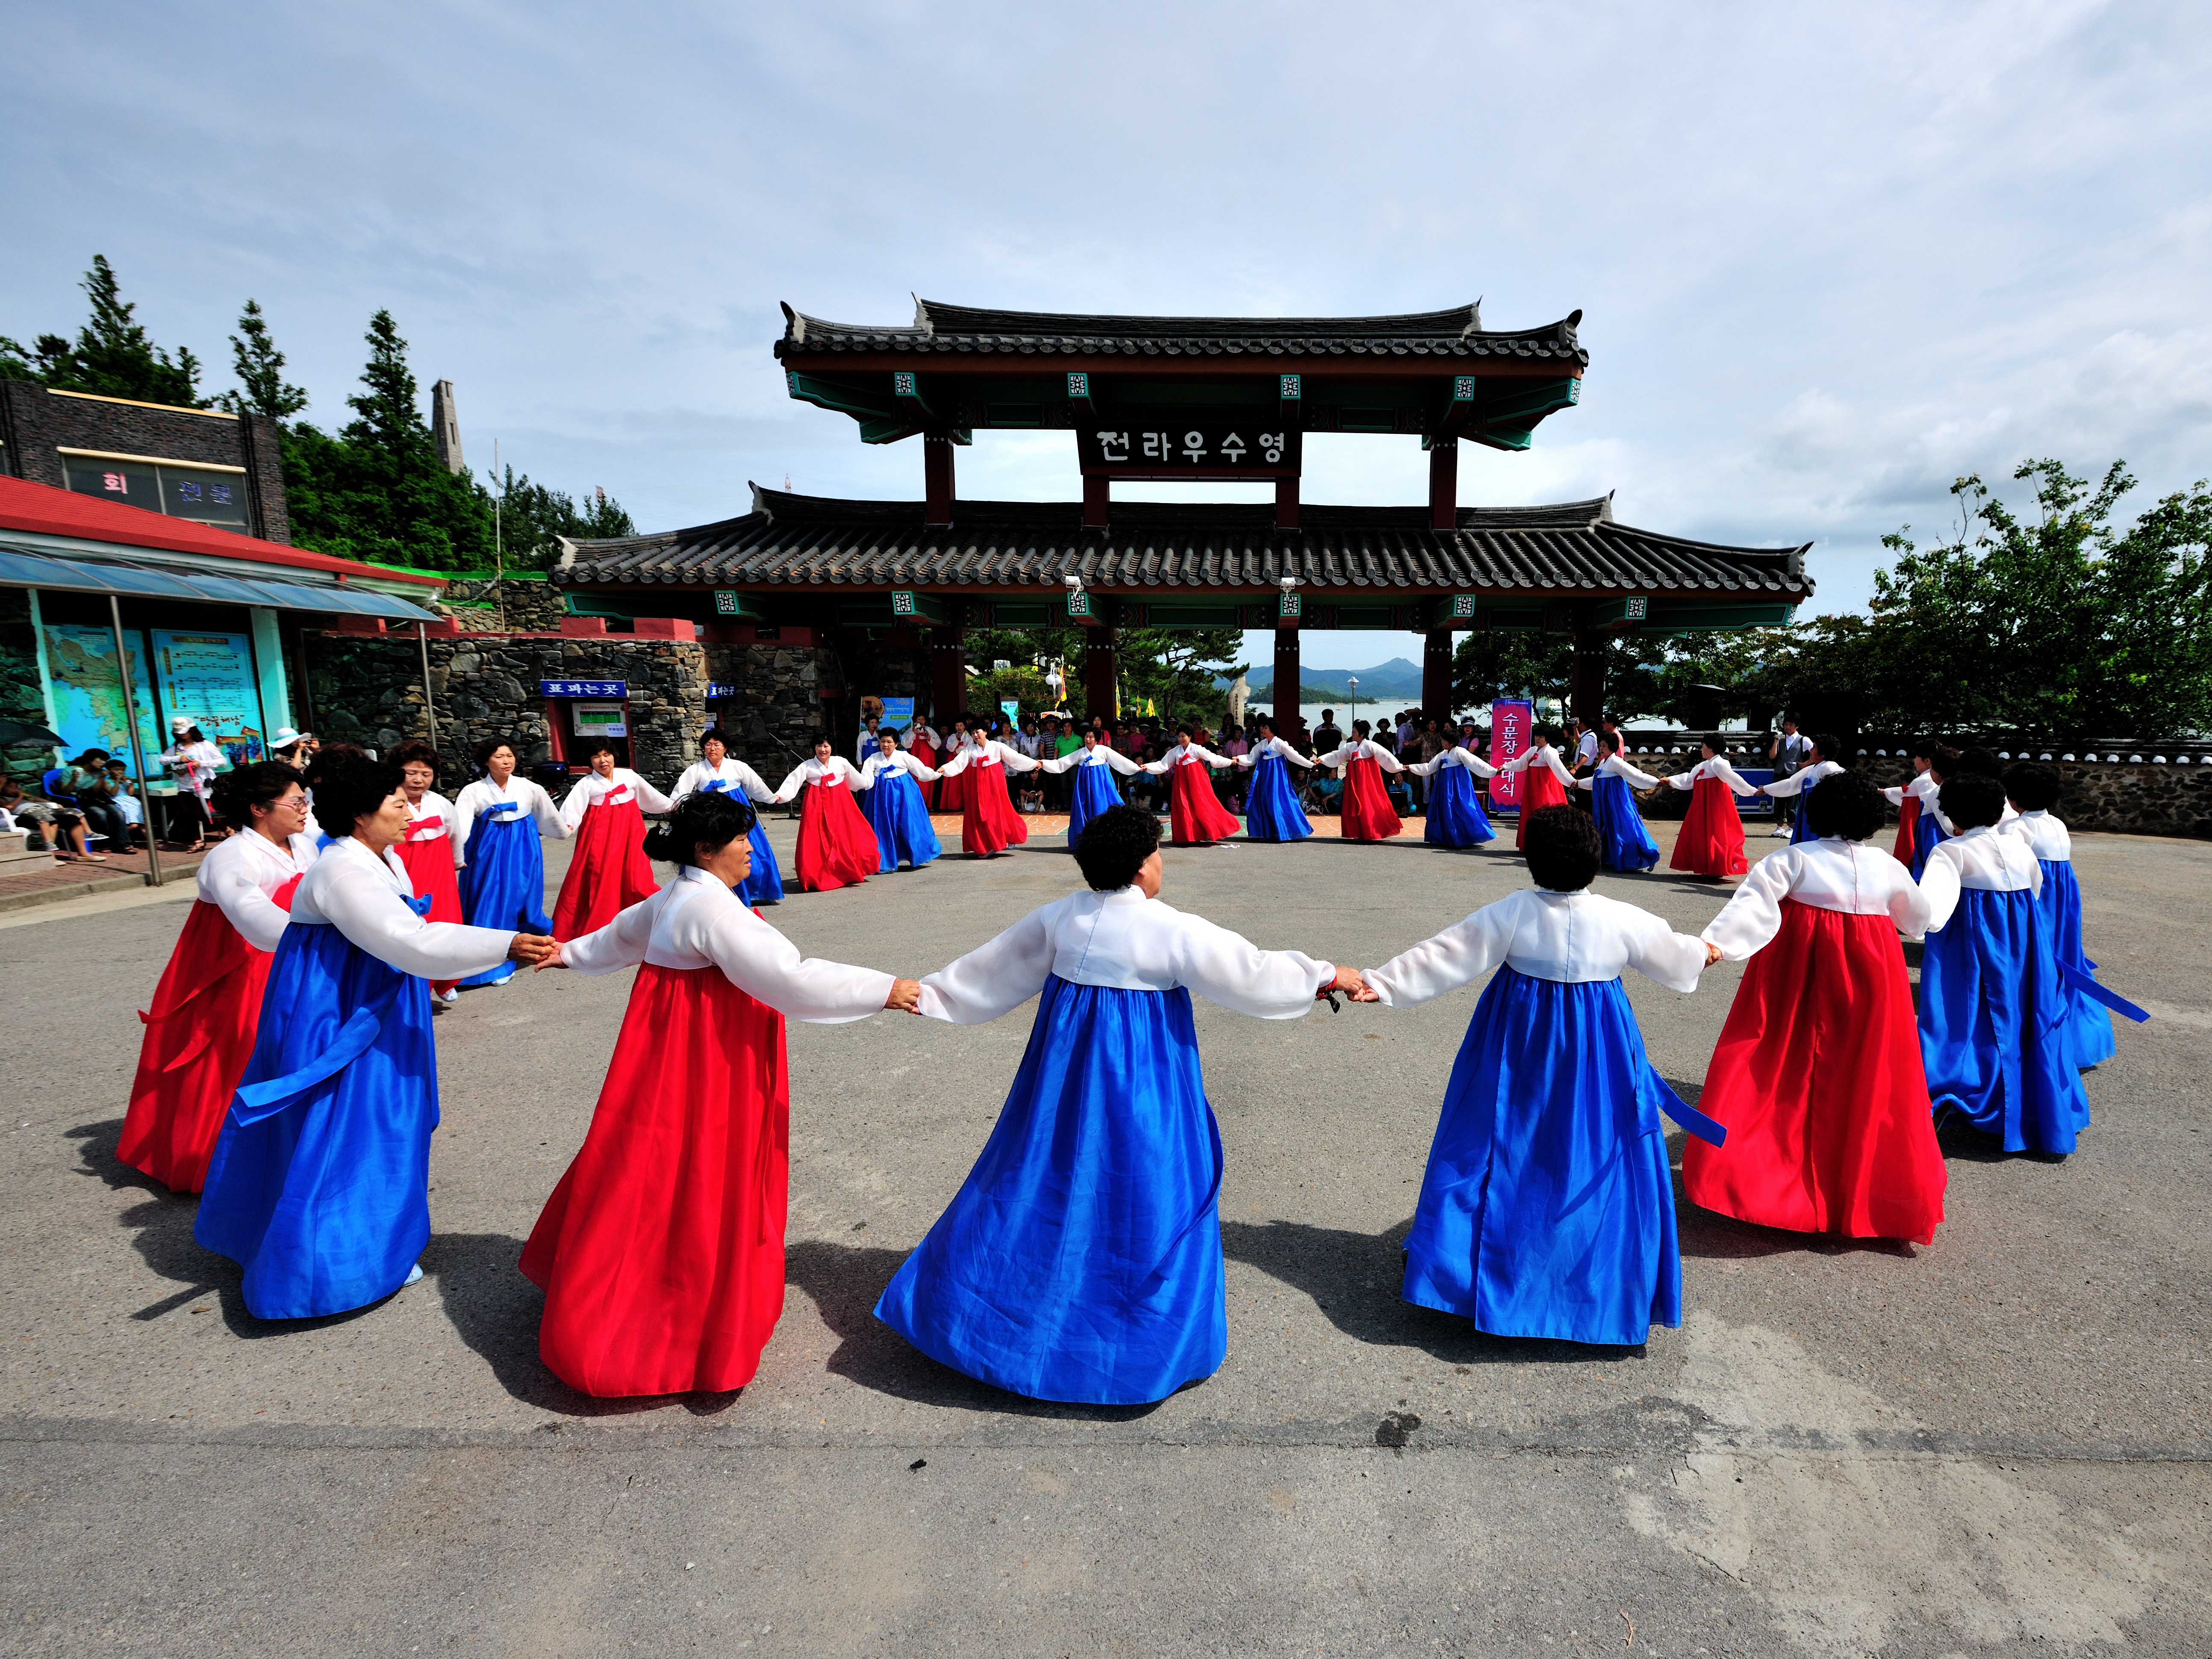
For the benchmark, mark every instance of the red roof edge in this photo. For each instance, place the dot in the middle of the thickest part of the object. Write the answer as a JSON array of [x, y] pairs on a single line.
[[41, 509]]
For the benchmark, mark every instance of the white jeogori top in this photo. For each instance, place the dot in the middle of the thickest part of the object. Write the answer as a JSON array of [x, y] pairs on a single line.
[[2052, 841], [1923, 789], [1834, 874], [1614, 766], [1356, 748], [483, 796], [815, 774], [592, 790], [1718, 768], [1983, 860], [365, 897], [430, 818], [897, 760], [696, 922], [736, 777], [1573, 938], [988, 752], [1095, 754], [1542, 755], [1280, 747], [242, 875], [1187, 754], [1126, 941], [1798, 781], [1457, 755]]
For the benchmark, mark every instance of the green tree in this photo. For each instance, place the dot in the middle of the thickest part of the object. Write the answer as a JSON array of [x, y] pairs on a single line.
[[111, 355], [1524, 662], [533, 518], [260, 370], [1177, 670]]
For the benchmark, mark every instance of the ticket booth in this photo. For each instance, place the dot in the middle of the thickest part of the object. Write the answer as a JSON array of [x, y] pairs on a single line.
[[579, 713]]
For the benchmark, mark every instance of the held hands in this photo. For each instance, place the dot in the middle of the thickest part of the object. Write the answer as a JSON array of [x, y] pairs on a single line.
[[1349, 982], [535, 949], [905, 997], [1712, 953]]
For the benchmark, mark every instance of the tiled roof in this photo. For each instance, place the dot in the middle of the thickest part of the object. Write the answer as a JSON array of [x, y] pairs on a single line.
[[943, 329], [810, 542]]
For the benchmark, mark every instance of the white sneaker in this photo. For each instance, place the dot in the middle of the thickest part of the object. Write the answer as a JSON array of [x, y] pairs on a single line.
[[452, 994], [413, 1276]]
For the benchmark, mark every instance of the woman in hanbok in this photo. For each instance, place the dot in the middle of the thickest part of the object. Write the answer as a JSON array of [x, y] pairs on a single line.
[[890, 781], [498, 823], [319, 1185], [660, 1252], [1711, 839], [427, 849], [836, 845], [1917, 829], [721, 773], [2033, 790], [952, 790], [1081, 1260], [1817, 1073], [988, 823], [1548, 1208], [1994, 1001], [1826, 762], [1454, 817], [1545, 785], [1093, 791], [1366, 812], [1195, 818], [1272, 811], [199, 1032], [1627, 844], [609, 871]]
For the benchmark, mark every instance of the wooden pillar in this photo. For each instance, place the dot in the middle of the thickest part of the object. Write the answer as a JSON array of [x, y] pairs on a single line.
[[1443, 485], [1286, 503], [1436, 675], [1100, 670], [1287, 682], [948, 677], [1096, 502], [937, 480], [1589, 677]]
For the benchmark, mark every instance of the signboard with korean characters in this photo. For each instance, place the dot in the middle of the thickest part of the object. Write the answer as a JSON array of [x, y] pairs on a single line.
[[1189, 446]]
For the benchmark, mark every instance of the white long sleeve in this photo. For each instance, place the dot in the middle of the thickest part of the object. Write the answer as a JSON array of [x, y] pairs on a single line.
[[985, 753], [1982, 859], [2051, 841], [1846, 876], [242, 875], [1093, 754], [482, 796], [1281, 748], [899, 761], [733, 774], [1572, 938], [1614, 766], [1718, 766], [592, 790], [1128, 942], [1186, 754], [1457, 755], [1352, 751], [1801, 781], [1544, 755], [696, 922], [365, 898], [808, 773]]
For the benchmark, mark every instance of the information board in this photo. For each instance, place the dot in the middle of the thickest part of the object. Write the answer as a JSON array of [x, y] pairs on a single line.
[[208, 678], [88, 694], [1510, 723], [898, 712]]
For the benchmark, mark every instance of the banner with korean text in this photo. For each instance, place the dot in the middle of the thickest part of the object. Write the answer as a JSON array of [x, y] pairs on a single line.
[[1511, 724]]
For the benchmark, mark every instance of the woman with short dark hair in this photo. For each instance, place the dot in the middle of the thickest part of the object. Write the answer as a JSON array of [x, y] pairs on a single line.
[[499, 822], [1710, 842], [609, 870], [427, 849], [719, 772]]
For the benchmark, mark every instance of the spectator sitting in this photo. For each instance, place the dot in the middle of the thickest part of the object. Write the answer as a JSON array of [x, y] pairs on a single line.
[[83, 785], [124, 797], [58, 829], [1326, 737]]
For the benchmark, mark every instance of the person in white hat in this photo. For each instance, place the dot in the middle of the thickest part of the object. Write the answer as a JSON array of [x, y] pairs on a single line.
[[195, 761]]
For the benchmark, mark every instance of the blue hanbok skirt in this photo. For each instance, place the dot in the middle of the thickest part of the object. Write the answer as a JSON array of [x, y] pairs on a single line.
[[900, 820], [1095, 790], [1993, 1019], [2088, 1025], [1272, 811], [764, 884], [503, 883], [319, 1184], [1801, 827], [1927, 834], [1547, 1209], [1456, 817], [1627, 844], [1081, 1260]]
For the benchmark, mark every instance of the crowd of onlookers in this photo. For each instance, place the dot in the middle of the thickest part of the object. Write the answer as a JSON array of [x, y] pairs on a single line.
[[90, 806]]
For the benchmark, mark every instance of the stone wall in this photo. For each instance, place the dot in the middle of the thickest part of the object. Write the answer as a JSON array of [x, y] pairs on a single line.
[[521, 605], [21, 698]]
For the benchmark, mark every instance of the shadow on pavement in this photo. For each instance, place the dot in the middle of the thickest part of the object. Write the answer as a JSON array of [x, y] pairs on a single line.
[[844, 1281]]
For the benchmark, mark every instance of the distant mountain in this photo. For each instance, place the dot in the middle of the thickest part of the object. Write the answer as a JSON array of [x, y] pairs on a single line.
[[1396, 680]]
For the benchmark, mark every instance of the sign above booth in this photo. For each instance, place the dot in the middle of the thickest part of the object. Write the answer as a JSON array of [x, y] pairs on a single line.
[[583, 688]]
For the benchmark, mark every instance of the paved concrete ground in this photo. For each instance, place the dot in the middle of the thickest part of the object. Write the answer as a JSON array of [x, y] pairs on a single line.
[[1995, 1444]]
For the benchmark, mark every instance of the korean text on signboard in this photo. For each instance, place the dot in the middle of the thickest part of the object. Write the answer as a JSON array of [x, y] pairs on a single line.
[[1189, 448], [583, 688], [209, 679], [1510, 723]]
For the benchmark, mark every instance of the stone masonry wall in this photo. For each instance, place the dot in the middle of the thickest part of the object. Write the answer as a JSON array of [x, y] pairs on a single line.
[[516, 604]]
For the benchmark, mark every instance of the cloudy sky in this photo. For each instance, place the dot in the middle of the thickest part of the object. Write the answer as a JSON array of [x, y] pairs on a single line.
[[1828, 259]]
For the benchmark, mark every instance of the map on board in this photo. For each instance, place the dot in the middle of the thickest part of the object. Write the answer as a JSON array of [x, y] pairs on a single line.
[[88, 694]]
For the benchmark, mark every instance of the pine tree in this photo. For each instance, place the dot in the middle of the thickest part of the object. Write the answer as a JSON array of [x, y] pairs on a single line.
[[260, 370], [111, 355]]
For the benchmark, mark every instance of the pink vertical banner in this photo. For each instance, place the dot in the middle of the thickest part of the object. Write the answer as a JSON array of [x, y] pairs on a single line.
[[1510, 723]]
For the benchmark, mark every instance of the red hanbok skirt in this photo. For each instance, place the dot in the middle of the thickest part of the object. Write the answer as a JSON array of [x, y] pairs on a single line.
[[1538, 789], [952, 793], [1818, 1081], [609, 873], [430, 872], [1368, 814], [927, 755], [1711, 841], [199, 1035], [989, 823], [1195, 817], [836, 844], [1908, 819], [662, 1251]]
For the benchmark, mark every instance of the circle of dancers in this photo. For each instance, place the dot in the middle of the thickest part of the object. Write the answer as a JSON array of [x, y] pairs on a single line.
[[289, 1070]]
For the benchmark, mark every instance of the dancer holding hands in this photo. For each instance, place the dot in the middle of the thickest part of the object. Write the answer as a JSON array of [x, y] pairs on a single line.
[[1628, 845], [1366, 812], [498, 822], [1827, 761], [721, 773], [610, 870], [836, 846], [1456, 817], [891, 781], [1195, 818], [1711, 839], [2032, 791], [1917, 829], [1272, 811], [988, 823], [1548, 780], [1094, 765], [660, 1251], [428, 847]]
